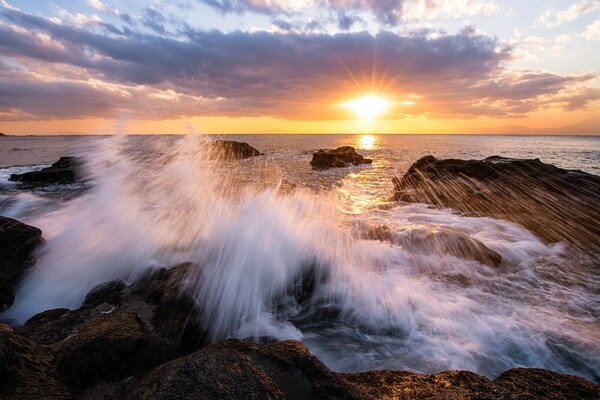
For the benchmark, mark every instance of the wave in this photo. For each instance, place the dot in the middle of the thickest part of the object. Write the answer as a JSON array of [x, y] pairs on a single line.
[[365, 286]]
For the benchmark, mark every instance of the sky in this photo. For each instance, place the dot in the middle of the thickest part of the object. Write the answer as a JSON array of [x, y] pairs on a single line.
[[293, 66]]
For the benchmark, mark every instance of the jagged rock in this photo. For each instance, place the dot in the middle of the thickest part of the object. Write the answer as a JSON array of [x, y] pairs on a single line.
[[232, 150], [27, 369], [120, 330], [126, 342], [65, 170], [344, 156], [17, 244], [554, 203], [236, 369], [534, 383]]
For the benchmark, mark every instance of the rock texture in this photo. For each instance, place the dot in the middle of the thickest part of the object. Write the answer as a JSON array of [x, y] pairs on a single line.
[[554, 203], [65, 170], [440, 241], [232, 150], [341, 157], [17, 243], [236, 369]]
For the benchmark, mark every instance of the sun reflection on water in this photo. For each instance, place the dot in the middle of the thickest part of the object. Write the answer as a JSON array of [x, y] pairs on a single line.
[[367, 142]]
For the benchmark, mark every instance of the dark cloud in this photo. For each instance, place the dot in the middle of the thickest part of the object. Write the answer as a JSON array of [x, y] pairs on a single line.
[[346, 21], [154, 20], [126, 18], [261, 73]]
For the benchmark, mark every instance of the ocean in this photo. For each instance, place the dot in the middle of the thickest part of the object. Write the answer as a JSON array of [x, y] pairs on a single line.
[[255, 226]]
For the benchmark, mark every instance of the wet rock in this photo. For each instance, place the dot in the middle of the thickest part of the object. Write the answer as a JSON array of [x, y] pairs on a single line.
[[125, 342], [27, 370], [109, 292], [106, 348], [446, 241], [232, 150], [120, 330], [17, 244], [533, 383], [554, 203], [434, 241], [236, 369], [65, 170], [341, 157]]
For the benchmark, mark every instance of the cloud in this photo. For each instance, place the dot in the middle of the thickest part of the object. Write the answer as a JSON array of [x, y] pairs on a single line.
[[154, 20], [592, 32], [388, 12], [552, 19], [97, 4], [294, 75]]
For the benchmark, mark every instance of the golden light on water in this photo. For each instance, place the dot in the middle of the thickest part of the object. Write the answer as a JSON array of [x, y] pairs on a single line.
[[368, 107], [367, 142]]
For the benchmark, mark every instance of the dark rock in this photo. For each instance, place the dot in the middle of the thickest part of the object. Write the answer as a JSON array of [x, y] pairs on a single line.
[[106, 348], [109, 292], [554, 203], [17, 244], [236, 369], [232, 150], [125, 342], [65, 170], [27, 370], [121, 331], [533, 383], [344, 156]]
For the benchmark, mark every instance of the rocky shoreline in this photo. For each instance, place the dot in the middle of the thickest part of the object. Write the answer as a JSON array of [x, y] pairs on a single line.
[[146, 340], [557, 205]]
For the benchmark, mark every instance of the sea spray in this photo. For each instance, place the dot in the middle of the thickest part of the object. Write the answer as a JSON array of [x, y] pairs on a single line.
[[384, 286]]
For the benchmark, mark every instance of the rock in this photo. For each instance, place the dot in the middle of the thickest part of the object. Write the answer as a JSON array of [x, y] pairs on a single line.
[[446, 241], [236, 369], [120, 330], [232, 150], [344, 156], [65, 170], [434, 241], [106, 348], [126, 342], [554, 203], [27, 370], [17, 244], [533, 383]]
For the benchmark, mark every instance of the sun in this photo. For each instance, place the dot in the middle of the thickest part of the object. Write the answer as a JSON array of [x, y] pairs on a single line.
[[368, 107]]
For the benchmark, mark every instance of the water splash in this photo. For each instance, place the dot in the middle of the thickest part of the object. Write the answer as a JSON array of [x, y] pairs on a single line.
[[364, 283]]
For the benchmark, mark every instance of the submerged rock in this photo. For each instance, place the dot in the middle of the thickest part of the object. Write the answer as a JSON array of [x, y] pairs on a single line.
[[341, 157], [554, 203], [65, 170], [435, 241], [232, 150], [17, 244]]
